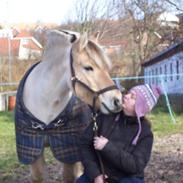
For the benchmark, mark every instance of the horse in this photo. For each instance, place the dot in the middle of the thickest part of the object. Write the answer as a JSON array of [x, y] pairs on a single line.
[[53, 99]]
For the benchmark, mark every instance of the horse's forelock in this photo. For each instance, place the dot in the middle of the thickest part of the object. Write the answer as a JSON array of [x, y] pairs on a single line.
[[94, 47]]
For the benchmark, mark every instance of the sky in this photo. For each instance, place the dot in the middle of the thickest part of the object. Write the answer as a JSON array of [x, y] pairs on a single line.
[[31, 11], [34, 11]]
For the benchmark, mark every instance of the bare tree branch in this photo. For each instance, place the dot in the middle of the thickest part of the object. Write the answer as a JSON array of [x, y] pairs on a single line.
[[174, 4]]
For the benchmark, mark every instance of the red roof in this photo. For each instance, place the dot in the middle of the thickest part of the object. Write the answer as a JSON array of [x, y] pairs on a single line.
[[4, 46], [23, 34], [30, 43]]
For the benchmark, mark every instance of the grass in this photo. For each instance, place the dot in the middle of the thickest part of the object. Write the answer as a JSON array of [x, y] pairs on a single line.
[[161, 126], [7, 141], [162, 123], [8, 156]]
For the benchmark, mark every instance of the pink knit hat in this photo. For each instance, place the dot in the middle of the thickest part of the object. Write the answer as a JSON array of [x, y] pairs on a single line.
[[146, 98]]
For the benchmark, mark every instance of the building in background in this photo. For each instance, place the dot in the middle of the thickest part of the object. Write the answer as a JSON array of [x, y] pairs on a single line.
[[20, 45], [169, 65], [168, 19]]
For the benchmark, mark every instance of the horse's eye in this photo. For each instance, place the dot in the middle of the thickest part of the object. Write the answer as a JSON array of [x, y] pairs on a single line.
[[88, 68]]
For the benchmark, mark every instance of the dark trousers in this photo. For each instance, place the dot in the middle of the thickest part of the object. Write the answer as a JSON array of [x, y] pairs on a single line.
[[85, 179]]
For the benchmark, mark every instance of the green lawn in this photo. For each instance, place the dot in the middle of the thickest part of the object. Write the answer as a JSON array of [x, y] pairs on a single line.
[[161, 125], [7, 141], [8, 158]]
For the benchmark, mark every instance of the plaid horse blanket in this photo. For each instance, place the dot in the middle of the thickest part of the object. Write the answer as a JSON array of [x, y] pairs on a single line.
[[62, 134]]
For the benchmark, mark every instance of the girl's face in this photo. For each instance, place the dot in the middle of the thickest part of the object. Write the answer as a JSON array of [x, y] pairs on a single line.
[[129, 103]]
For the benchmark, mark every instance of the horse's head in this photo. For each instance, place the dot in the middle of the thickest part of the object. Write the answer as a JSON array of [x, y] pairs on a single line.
[[89, 65], [91, 80]]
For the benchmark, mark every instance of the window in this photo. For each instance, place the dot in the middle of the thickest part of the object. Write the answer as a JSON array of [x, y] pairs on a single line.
[[152, 76], [160, 71], [177, 69], [145, 74], [171, 72], [165, 73], [149, 77], [24, 41], [156, 72]]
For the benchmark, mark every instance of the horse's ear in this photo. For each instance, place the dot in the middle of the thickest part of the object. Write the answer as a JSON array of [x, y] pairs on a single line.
[[73, 36], [95, 37], [81, 42]]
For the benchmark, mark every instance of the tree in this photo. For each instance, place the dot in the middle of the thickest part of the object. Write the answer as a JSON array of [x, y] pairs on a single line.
[[146, 35], [92, 16], [131, 21], [175, 4]]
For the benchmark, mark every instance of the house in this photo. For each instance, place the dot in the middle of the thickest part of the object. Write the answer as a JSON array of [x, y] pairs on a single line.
[[168, 19], [21, 45], [180, 16], [166, 67]]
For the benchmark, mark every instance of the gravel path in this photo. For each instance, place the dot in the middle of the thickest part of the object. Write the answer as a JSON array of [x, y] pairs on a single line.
[[165, 166]]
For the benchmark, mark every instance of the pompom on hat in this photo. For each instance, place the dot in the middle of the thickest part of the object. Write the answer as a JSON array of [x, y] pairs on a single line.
[[146, 98]]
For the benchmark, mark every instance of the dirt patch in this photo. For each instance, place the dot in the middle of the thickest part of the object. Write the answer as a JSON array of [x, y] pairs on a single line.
[[165, 166]]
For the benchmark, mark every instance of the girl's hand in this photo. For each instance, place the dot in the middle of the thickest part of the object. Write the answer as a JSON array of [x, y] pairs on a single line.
[[99, 179], [100, 142]]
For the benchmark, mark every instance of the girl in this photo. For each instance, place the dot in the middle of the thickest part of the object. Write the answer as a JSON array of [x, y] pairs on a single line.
[[124, 141]]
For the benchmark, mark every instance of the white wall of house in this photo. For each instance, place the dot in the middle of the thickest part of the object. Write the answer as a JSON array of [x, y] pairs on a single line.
[[172, 65], [23, 52], [6, 33], [27, 53], [168, 19]]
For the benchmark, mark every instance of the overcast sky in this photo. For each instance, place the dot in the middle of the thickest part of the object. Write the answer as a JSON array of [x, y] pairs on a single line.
[[15, 11]]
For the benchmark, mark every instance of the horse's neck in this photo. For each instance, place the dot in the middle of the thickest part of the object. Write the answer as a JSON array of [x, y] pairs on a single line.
[[46, 92]]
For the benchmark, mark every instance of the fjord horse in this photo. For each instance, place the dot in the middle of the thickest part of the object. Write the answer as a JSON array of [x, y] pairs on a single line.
[[72, 65]]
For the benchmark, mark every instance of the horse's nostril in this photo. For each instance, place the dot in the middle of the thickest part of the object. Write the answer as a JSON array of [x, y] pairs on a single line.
[[116, 102]]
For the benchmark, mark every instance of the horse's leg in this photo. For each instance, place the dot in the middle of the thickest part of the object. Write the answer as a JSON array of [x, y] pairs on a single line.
[[37, 170], [71, 172], [78, 170]]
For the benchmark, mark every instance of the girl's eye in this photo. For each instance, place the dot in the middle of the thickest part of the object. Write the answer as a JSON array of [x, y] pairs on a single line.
[[88, 68], [133, 96]]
